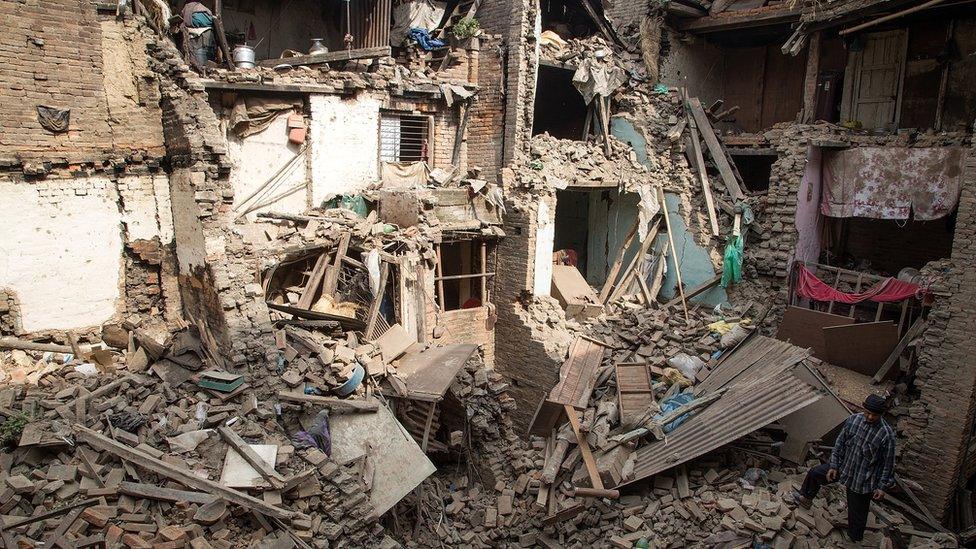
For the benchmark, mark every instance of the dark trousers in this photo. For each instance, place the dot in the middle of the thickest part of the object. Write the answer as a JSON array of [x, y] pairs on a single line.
[[858, 505]]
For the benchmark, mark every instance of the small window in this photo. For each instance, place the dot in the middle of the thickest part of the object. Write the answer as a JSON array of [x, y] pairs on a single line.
[[461, 280], [404, 137]]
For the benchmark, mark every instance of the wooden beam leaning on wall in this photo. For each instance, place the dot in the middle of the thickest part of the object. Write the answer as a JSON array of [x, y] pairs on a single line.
[[715, 150]]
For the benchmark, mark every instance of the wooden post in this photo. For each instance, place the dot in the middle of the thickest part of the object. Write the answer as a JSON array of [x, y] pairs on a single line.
[[584, 447], [674, 252], [440, 277], [221, 37], [484, 272]]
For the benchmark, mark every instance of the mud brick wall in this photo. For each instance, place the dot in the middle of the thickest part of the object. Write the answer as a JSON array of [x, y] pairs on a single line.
[[464, 326], [938, 430], [57, 53]]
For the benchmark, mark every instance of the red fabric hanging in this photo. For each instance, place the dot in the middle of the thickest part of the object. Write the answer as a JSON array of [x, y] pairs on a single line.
[[885, 291]]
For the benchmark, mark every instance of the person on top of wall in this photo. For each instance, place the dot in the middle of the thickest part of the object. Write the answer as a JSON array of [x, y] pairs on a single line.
[[863, 460], [197, 27]]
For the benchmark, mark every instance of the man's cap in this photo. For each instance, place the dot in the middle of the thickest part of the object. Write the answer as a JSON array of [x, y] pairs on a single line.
[[874, 403]]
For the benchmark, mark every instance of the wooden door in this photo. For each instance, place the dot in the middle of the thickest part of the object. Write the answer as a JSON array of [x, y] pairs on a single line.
[[873, 80]]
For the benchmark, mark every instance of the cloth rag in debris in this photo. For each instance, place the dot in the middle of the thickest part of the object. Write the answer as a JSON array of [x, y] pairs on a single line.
[[673, 403], [423, 39], [252, 115], [52, 119], [732, 267], [416, 14], [885, 291], [405, 175], [592, 79], [318, 436]]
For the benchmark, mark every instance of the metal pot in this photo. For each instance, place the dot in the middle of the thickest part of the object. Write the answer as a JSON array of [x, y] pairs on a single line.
[[244, 57], [317, 47]]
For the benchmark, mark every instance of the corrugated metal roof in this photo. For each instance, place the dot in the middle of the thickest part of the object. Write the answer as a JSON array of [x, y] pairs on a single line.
[[761, 389]]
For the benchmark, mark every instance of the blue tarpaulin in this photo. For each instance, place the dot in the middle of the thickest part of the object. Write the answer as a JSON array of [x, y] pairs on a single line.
[[423, 39], [673, 403]]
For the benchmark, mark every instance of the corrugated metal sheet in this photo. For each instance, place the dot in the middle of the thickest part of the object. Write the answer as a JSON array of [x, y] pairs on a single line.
[[371, 21], [761, 389]]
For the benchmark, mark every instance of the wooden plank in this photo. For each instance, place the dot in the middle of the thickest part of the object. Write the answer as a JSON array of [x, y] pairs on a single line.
[[573, 293], [262, 467], [636, 260], [160, 493], [17, 523], [674, 251], [374, 306], [698, 290], [584, 447], [804, 328], [576, 374], [698, 161], [102, 443], [336, 405], [635, 391], [329, 57], [314, 281], [618, 262], [715, 149], [331, 281], [222, 37], [917, 328], [742, 19], [861, 347]]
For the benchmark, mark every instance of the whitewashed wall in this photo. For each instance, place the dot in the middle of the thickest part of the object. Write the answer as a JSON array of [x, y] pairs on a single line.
[[257, 158], [345, 144]]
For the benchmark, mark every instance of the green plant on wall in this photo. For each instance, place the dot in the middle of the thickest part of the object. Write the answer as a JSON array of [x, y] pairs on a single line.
[[466, 28]]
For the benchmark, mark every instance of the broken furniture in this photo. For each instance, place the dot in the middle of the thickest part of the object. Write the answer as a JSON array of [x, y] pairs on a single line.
[[574, 294]]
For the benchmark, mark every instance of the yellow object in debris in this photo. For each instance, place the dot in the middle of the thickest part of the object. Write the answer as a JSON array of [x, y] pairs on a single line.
[[721, 327], [672, 375], [327, 304]]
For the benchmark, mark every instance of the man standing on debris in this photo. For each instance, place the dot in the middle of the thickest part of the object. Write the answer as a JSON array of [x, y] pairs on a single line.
[[863, 460]]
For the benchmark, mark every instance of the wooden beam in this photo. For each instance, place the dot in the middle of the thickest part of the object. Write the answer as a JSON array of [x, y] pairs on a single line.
[[889, 17], [698, 161], [917, 327], [618, 262], [17, 523], [329, 57], [102, 443], [262, 467], [314, 282], [674, 252], [331, 282], [742, 19], [811, 76], [702, 288], [585, 452], [715, 150], [160, 493], [221, 35], [337, 405]]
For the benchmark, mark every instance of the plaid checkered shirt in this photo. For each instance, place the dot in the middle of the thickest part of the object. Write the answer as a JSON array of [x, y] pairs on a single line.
[[864, 455]]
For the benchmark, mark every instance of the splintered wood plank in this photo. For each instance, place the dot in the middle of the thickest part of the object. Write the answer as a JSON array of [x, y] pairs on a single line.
[[585, 452], [618, 263], [576, 374], [314, 281], [715, 150], [699, 163]]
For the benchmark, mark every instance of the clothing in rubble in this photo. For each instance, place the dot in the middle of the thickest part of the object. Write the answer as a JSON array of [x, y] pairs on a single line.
[[198, 32], [424, 40]]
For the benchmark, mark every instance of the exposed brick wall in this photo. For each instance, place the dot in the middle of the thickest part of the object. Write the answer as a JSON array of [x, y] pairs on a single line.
[[529, 362], [486, 128], [939, 425], [51, 53], [464, 326], [626, 15]]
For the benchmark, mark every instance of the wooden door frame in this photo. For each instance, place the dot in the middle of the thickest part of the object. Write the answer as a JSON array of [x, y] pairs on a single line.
[[852, 73]]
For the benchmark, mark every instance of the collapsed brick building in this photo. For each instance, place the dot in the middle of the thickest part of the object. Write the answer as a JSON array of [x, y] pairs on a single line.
[[215, 197]]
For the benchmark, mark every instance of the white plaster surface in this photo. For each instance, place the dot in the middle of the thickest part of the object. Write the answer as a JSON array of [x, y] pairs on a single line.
[[146, 210], [257, 158], [545, 234], [345, 145], [808, 218], [61, 251]]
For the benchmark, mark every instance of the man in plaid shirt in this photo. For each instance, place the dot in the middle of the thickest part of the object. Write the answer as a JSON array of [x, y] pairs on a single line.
[[863, 460]]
